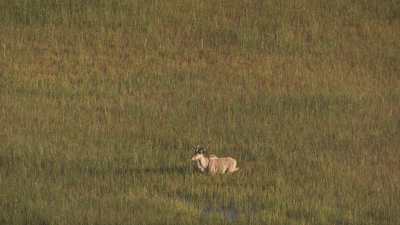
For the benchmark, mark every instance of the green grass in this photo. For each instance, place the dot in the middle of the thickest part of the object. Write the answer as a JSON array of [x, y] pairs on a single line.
[[101, 102]]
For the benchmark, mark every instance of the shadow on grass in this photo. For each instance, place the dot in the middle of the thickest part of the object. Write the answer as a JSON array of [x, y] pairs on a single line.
[[177, 170], [129, 171], [46, 166]]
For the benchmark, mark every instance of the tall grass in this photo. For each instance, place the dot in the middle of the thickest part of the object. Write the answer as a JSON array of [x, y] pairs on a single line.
[[101, 101]]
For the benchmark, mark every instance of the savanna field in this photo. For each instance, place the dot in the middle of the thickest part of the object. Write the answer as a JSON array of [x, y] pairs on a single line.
[[101, 103]]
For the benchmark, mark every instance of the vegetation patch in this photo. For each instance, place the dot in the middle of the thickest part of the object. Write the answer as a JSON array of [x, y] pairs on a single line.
[[102, 101]]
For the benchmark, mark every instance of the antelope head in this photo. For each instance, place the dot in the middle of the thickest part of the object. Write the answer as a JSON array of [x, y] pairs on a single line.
[[198, 152]]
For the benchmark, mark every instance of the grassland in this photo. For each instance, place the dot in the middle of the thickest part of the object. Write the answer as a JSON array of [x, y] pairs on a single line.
[[101, 101]]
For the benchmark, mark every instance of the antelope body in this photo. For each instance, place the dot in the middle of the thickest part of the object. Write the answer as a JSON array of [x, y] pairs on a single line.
[[213, 164]]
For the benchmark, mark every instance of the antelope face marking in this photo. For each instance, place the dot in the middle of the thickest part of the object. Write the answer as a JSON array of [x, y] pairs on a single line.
[[197, 157], [198, 152]]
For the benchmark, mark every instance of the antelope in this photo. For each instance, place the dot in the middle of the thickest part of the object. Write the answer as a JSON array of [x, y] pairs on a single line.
[[213, 164]]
